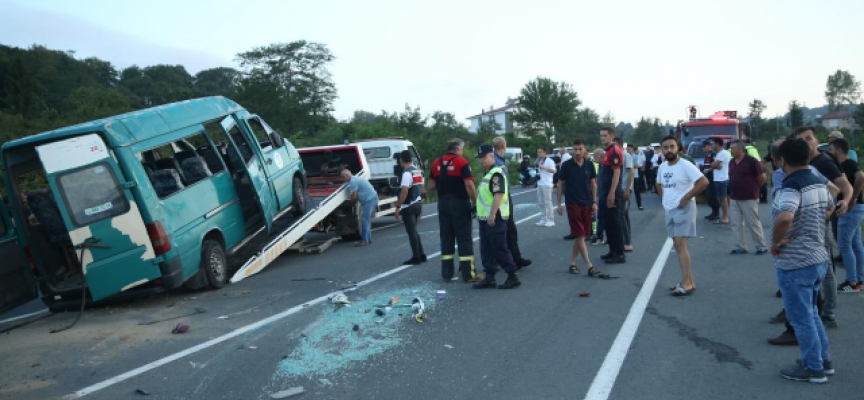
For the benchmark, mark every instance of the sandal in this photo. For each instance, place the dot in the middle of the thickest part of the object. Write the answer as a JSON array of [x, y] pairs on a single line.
[[574, 270], [680, 291], [673, 288], [592, 271]]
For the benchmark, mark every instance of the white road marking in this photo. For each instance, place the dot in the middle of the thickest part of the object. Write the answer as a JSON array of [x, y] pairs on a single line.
[[239, 331], [435, 214], [604, 381], [20, 317]]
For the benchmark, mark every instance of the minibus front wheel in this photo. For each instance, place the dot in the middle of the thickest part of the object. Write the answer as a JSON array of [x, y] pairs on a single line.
[[213, 263], [299, 201]]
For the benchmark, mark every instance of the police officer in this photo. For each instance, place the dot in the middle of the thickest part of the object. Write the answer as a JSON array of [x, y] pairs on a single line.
[[500, 146], [710, 196], [493, 210], [452, 178]]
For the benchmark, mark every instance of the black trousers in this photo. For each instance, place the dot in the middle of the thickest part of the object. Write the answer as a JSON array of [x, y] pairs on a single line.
[[411, 216], [711, 198], [493, 248], [638, 188], [513, 235], [614, 225], [454, 220]]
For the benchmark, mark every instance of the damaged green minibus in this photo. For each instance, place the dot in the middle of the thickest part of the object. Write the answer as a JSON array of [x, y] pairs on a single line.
[[141, 202]]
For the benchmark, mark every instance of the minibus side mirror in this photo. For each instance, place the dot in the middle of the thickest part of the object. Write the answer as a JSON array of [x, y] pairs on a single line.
[[276, 140]]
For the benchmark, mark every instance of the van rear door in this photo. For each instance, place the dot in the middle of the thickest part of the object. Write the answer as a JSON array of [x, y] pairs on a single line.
[[102, 217], [17, 284]]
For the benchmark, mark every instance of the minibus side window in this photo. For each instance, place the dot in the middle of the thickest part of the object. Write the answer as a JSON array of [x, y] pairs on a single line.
[[242, 144], [171, 171], [377, 152], [92, 194]]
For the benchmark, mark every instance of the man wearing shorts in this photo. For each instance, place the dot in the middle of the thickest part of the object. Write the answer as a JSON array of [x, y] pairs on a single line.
[[577, 181], [720, 167], [677, 184]]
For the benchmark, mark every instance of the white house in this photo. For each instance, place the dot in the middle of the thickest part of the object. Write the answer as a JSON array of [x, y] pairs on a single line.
[[837, 120], [502, 115]]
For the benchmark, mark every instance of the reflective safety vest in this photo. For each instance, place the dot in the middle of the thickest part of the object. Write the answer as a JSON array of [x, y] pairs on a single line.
[[485, 198], [752, 151]]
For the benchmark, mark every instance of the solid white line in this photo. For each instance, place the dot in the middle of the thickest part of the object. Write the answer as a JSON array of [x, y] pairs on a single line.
[[239, 331], [20, 317], [603, 382]]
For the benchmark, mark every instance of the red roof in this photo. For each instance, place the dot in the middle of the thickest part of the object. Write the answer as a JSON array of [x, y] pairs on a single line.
[[494, 111], [837, 115]]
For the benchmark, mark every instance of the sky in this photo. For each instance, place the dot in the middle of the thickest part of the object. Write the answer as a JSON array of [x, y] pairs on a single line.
[[631, 58]]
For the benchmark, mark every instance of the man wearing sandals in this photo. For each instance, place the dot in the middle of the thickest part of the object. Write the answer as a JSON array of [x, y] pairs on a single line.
[[577, 181], [677, 184], [798, 230]]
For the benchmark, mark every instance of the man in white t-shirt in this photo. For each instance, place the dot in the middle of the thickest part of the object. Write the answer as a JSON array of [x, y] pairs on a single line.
[[565, 155], [721, 178], [546, 168], [677, 184]]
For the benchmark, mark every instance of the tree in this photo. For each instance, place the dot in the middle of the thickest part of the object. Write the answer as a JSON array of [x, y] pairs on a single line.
[[545, 105], [796, 114], [842, 88], [89, 103], [290, 84], [220, 81], [756, 109]]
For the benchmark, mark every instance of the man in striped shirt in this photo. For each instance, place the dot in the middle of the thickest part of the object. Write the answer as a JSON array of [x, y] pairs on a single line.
[[798, 216]]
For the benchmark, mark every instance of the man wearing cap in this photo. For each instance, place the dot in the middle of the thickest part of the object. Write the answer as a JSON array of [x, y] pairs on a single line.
[[710, 194], [452, 178], [839, 135], [493, 211]]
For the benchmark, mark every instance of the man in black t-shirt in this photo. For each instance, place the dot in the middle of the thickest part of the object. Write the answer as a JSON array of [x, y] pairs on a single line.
[[849, 225], [577, 182]]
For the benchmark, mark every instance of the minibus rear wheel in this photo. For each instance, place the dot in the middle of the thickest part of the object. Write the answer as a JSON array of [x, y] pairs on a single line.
[[213, 263]]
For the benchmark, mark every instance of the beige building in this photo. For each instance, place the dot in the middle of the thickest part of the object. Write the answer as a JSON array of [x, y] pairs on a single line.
[[837, 120]]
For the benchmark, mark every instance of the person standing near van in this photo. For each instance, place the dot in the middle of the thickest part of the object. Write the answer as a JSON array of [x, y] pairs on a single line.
[[362, 191], [500, 146], [457, 197], [546, 167], [721, 178], [410, 205]]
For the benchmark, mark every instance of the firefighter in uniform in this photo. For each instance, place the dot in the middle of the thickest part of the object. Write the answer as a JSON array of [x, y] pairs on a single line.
[[493, 211], [451, 176]]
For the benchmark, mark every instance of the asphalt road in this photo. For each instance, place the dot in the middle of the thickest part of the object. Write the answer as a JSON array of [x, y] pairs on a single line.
[[278, 330]]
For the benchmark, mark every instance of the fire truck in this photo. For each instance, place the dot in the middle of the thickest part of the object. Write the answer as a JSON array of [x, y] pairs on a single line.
[[723, 124]]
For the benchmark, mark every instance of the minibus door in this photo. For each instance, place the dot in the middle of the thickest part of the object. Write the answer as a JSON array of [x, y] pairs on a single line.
[[17, 284], [107, 232], [254, 171]]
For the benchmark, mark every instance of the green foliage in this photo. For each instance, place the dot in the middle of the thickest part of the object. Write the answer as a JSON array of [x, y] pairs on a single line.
[[796, 114], [545, 105], [756, 109], [842, 88], [858, 116]]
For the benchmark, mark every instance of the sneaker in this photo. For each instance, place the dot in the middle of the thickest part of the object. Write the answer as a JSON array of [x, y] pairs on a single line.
[[549, 224], [522, 263], [780, 318], [785, 339], [485, 284], [761, 250], [800, 373], [860, 285], [617, 259], [827, 366], [512, 282], [641, 208], [829, 322], [423, 258], [569, 237], [607, 256], [712, 217], [599, 242], [848, 287], [739, 250], [541, 222], [412, 261]]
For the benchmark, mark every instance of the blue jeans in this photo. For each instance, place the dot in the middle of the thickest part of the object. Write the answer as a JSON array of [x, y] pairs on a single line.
[[366, 221], [800, 288], [849, 242]]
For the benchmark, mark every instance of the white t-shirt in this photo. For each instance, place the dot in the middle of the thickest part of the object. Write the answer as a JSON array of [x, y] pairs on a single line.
[[409, 180], [638, 162], [676, 181], [565, 156], [546, 176], [722, 174], [657, 159]]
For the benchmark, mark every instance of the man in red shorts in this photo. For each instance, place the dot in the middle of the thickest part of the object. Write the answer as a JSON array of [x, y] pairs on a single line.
[[577, 181]]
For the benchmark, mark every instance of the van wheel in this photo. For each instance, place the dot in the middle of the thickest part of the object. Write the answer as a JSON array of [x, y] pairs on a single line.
[[213, 264], [299, 201], [357, 223]]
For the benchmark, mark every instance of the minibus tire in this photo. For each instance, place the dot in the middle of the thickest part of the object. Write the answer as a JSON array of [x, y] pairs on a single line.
[[299, 200], [213, 264]]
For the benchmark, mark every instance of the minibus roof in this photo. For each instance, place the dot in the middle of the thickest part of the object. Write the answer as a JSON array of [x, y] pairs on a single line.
[[125, 129]]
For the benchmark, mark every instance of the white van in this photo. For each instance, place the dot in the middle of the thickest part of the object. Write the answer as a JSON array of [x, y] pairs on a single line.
[[382, 156], [513, 154]]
